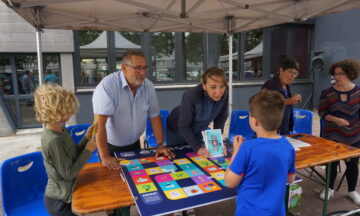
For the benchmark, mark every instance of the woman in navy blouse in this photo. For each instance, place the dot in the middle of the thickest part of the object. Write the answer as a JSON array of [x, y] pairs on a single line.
[[289, 70]]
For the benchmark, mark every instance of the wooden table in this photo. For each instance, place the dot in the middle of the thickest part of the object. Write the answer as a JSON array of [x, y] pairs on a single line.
[[99, 189], [323, 151]]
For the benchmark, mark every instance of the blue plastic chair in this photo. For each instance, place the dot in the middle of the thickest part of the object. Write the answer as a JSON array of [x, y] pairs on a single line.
[[150, 140], [239, 125], [23, 181], [303, 120], [77, 132]]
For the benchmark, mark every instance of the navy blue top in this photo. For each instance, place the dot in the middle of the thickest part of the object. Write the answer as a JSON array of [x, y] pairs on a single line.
[[194, 115], [287, 123], [264, 164]]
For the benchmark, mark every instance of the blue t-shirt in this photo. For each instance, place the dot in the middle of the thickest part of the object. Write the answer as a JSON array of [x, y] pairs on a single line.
[[265, 165]]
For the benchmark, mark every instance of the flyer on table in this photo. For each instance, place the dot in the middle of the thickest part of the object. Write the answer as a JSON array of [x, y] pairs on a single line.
[[213, 142]]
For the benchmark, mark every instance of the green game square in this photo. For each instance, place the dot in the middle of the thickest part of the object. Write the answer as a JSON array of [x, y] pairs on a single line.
[[179, 175], [147, 187]]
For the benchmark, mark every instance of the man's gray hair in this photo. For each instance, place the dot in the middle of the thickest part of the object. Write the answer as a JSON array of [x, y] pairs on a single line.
[[126, 59]]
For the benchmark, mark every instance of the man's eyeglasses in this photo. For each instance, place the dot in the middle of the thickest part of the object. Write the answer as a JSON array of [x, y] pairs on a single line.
[[137, 68], [294, 73]]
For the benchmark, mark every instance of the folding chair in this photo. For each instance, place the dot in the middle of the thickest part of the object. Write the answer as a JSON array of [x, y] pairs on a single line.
[[239, 125], [77, 132], [150, 140], [23, 181], [303, 120]]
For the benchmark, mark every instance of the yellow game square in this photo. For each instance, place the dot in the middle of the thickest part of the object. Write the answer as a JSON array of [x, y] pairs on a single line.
[[179, 175], [126, 162], [145, 188], [182, 161], [205, 163], [175, 194], [153, 170], [218, 175]]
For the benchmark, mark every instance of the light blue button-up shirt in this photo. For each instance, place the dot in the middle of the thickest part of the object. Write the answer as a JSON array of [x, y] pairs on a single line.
[[127, 114]]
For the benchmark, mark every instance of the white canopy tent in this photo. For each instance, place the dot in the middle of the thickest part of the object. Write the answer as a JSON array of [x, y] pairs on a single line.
[[210, 16]]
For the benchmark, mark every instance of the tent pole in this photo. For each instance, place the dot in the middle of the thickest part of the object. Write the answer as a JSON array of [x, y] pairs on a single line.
[[39, 56], [230, 22], [38, 44], [230, 36]]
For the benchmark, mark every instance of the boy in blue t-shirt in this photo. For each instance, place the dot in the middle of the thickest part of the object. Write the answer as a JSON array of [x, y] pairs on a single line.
[[261, 168]]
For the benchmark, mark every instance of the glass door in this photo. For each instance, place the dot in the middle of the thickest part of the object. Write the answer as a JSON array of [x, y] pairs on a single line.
[[19, 78]]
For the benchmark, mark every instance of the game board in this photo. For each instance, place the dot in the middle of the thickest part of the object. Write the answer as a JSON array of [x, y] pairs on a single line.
[[161, 186]]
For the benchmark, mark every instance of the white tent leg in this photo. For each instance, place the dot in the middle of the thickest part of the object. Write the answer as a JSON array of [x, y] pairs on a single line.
[[39, 56], [230, 73]]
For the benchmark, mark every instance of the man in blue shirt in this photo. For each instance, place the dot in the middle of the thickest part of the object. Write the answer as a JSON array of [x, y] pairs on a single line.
[[50, 77], [122, 102]]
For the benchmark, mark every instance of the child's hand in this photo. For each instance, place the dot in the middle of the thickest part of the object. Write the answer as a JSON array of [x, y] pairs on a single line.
[[225, 151], [90, 131], [238, 140], [91, 145]]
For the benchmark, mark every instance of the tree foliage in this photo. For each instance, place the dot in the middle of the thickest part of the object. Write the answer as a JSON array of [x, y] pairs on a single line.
[[224, 44], [163, 43], [132, 36], [194, 48], [87, 36], [253, 38]]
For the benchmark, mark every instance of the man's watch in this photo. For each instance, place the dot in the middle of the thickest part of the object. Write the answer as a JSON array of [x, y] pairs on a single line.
[[160, 145]]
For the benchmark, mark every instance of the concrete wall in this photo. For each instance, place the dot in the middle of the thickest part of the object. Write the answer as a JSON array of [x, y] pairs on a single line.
[[16, 35], [171, 97], [338, 35]]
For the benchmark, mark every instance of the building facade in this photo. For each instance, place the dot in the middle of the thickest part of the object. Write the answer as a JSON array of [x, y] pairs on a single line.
[[78, 60]]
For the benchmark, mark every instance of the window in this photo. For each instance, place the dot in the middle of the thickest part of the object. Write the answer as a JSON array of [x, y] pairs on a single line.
[[125, 41], [93, 56], [224, 54], [163, 56], [51, 69], [253, 54], [6, 83], [194, 55]]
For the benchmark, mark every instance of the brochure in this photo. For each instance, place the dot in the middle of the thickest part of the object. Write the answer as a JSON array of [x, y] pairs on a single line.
[[214, 142]]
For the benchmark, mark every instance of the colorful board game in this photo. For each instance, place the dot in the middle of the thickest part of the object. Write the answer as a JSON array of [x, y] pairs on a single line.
[[161, 186]]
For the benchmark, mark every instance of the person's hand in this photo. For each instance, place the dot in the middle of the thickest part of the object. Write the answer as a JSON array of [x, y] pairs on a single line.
[[90, 130], [225, 151], [238, 140], [203, 152], [341, 122], [111, 163], [91, 145], [162, 150], [296, 98]]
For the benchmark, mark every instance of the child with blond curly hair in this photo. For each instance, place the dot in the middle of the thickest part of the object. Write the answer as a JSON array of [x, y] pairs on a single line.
[[63, 159]]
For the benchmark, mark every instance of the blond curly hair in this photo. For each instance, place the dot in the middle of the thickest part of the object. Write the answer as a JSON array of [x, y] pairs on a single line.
[[54, 104]]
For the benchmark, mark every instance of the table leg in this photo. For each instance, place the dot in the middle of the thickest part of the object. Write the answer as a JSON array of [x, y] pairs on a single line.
[[328, 172]]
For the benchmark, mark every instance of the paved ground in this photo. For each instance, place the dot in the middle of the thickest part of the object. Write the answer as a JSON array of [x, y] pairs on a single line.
[[29, 140]]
